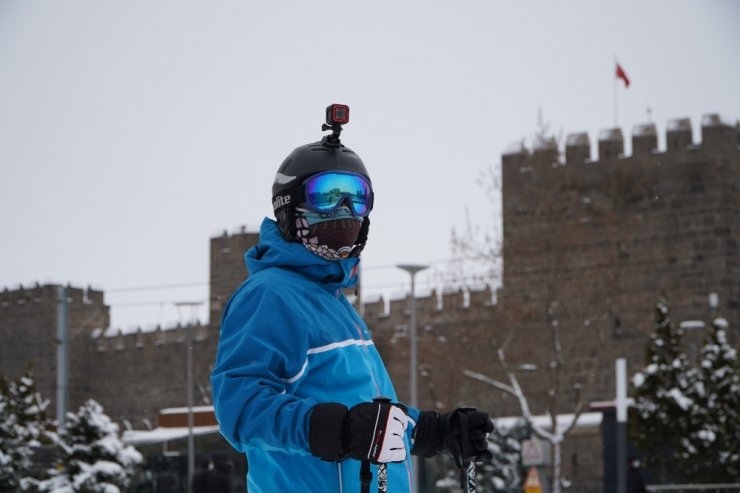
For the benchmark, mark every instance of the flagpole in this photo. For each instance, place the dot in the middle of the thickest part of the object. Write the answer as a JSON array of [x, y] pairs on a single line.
[[615, 93]]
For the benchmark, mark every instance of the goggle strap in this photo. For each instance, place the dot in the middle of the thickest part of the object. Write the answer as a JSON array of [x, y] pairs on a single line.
[[288, 198]]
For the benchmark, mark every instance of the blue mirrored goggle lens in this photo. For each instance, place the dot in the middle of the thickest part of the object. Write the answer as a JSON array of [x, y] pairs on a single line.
[[327, 191]]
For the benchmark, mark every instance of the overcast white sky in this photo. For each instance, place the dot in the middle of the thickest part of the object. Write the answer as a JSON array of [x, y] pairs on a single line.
[[131, 132]]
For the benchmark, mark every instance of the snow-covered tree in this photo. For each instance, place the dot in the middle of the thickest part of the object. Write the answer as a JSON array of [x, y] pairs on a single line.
[[555, 434], [22, 425], [710, 452], [661, 414], [93, 458]]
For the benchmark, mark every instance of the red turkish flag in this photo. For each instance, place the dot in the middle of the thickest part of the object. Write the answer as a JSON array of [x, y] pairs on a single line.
[[621, 74]]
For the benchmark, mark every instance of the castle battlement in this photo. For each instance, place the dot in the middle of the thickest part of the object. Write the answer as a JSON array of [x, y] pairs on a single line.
[[430, 305], [47, 293], [117, 340], [715, 132]]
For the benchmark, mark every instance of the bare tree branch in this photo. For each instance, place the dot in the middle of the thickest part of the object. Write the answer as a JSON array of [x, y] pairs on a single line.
[[493, 383]]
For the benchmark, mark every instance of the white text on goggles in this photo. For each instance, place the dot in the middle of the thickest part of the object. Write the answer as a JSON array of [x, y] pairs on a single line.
[[327, 191]]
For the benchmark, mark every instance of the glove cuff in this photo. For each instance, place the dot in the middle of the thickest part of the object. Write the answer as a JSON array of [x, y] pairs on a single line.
[[427, 439], [325, 431]]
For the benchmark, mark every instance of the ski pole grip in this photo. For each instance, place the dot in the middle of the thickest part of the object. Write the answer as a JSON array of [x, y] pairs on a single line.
[[366, 476], [382, 468]]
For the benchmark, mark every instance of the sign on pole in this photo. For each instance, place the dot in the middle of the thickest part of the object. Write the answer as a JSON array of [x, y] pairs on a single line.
[[535, 453]]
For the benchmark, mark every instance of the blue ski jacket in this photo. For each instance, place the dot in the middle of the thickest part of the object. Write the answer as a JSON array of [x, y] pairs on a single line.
[[290, 340]]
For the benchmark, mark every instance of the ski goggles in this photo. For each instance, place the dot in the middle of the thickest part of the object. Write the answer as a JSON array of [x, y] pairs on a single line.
[[327, 191]]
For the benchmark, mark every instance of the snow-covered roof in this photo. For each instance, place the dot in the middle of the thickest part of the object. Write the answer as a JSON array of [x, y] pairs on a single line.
[[545, 144], [577, 139], [563, 420], [644, 130], [610, 134], [160, 435], [183, 410], [678, 124], [713, 120], [514, 148], [371, 298], [692, 324]]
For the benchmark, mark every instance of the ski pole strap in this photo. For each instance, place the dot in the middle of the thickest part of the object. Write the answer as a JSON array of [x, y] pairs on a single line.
[[366, 476], [467, 477]]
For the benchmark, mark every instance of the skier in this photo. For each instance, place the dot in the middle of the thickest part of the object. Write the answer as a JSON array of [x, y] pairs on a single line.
[[298, 384]]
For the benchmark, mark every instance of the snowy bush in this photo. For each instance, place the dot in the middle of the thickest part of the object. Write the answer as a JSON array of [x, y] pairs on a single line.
[[687, 420], [93, 458], [711, 450], [661, 394], [22, 426]]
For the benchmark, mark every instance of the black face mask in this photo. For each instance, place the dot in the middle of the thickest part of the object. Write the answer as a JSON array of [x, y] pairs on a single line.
[[329, 235]]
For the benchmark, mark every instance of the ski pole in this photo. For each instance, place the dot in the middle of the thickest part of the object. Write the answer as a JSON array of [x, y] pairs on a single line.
[[382, 468], [366, 476], [382, 478], [467, 468], [467, 477]]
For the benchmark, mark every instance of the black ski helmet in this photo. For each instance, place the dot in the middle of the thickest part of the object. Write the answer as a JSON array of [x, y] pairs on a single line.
[[307, 160]]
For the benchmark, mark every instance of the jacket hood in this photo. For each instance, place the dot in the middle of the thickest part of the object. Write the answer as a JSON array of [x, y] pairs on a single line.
[[273, 251]]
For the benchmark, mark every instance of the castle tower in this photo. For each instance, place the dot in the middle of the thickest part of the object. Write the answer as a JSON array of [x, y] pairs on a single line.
[[604, 240], [28, 331], [228, 269]]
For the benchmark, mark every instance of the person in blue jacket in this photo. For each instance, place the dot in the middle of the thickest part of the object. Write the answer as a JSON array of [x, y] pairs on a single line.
[[298, 385]]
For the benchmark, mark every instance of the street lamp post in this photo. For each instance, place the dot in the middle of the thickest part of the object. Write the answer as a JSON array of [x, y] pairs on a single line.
[[412, 270], [189, 383]]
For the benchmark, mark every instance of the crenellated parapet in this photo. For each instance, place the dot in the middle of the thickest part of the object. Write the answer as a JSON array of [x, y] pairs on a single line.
[[117, 340], [47, 293], [610, 142], [621, 229], [432, 305]]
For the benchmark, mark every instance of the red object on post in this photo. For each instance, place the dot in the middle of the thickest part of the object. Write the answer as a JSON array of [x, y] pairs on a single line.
[[621, 74]]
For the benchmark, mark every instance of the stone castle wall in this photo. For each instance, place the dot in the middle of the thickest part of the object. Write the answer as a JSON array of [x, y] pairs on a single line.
[[590, 245], [28, 335]]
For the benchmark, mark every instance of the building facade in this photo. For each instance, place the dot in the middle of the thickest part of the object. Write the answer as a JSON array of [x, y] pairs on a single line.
[[589, 246]]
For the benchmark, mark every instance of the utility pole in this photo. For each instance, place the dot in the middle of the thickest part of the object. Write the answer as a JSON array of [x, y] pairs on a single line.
[[412, 270], [189, 379], [62, 356], [621, 371]]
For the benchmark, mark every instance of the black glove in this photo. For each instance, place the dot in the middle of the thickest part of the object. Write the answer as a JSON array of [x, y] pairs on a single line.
[[462, 433], [372, 431]]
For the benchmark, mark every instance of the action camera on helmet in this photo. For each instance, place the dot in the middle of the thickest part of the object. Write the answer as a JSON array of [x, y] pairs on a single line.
[[336, 116], [322, 176]]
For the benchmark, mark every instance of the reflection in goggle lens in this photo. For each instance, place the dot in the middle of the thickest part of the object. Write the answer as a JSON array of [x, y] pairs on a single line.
[[325, 192]]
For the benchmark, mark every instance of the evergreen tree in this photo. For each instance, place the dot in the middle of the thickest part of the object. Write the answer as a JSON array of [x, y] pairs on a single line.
[[504, 474], [22, 427], [93, 458], [711, 451], [661, 413]]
